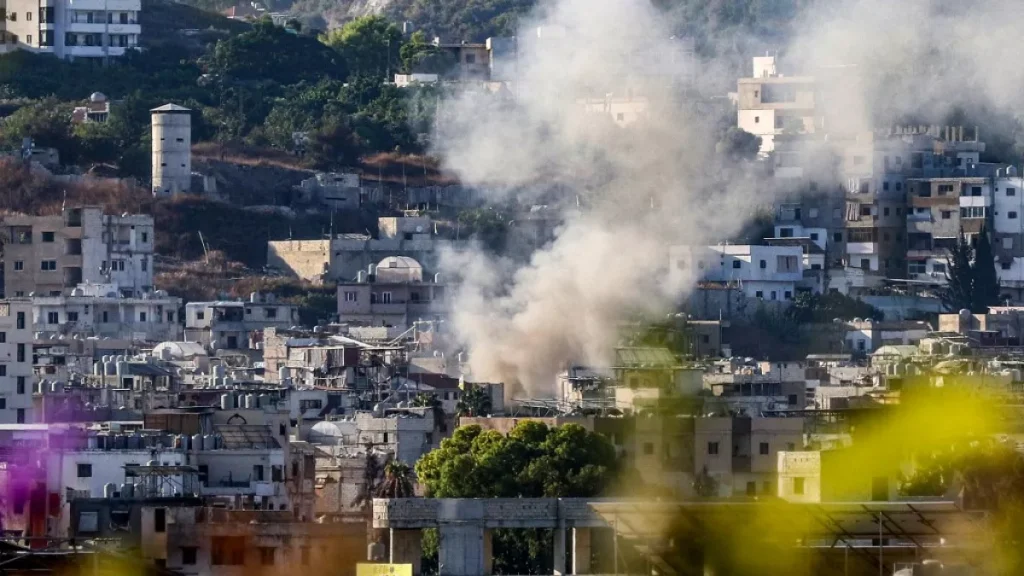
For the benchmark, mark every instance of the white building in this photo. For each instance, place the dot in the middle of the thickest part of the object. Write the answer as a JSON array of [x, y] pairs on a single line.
[[764, 272], [50, 255], [15, 361], [101, 310], [172, 149], [233, 325], [72, 29], [1008, 231], [769, 103]]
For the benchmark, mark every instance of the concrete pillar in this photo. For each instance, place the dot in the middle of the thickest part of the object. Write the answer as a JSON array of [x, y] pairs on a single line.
[[581, 550], [488, 553], [461, 549], [407, 548], [559, 568]]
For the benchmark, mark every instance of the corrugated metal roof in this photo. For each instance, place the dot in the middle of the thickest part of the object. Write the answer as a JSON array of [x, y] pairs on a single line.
[[645, 357]]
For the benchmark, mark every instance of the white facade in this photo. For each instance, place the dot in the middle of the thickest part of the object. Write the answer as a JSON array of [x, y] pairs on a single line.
[[172, 149], [15, 361], [74, 28], [100, 310], [767, 272]]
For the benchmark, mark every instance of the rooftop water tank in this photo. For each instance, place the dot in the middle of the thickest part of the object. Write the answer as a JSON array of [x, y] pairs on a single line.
[[127, 490], [227, 402], [197, 442], [209, 442], [218, 370], [250, 401]]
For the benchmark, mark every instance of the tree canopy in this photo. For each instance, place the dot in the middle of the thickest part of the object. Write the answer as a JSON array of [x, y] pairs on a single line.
[[971, 280]]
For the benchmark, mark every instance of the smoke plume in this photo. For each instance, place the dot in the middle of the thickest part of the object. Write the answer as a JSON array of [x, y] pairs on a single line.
[[639, 189]]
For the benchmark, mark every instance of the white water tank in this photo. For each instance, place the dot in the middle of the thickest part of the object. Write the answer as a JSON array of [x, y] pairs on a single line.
[[227, 402], [282, 373], [209, 442], [250, 401], [172, 149], [218, 370], [197, 442]]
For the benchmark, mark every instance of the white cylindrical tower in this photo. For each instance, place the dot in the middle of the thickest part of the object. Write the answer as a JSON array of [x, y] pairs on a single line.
[[172, 149]]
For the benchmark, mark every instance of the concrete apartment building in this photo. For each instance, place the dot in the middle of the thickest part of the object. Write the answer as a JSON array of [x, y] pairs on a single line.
[[71, 29], [50, 255], [16, 380], [234, 325], [102, 310], [1007, 231], [772, 273], [345, 256], [770, 103], [395, 295]]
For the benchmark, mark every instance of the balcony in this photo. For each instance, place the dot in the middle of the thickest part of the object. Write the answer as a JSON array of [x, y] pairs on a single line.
[[862, 248], [105, 5], [969, 201], [103, 28]]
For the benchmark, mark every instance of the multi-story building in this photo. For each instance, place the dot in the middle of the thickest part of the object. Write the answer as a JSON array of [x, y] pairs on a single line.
[[773, 273], [16, 361], [102, 310], [233, 325], [50, 255], [72, 29], [394, 295], [1008, 231], [346, 256], [769, 103]]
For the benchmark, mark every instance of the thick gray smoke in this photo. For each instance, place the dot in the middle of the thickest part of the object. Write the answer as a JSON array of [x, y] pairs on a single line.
[[642, 188], [654, 183]]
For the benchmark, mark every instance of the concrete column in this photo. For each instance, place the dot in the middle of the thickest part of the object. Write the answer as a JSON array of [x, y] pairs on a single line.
[[581, 550], [488, 553], [407, 548], [461, 549], [559, 568]]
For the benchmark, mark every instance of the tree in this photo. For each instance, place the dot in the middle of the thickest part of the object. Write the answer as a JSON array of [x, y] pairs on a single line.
[[738, 144], [476, 401], [47, 123], [422, 57], [269, 54], [810, 308], [397, 482], [370, 45], [985, 286], [533, 461], [959, 291], [704, 484]]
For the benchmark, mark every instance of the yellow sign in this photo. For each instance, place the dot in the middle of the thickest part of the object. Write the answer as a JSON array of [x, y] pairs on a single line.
[[383, 569]]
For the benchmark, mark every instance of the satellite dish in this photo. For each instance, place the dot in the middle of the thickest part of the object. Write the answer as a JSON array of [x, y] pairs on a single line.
[[419, 228]]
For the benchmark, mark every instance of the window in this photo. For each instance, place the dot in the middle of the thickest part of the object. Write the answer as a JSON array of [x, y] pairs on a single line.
[[713, 448], [899, 186], [227, 550], [764, 264], [939, 268], [975, 190], [788, 295], [28, 17], [1004, 265], [20, 416], [142, 316], [885, 186], [21, 320], [1011, 191], [257, 472], [85, 470], [48, 265], [865, 264], [353, 296], [21, 352], [385, 297], [1011, 215], [21, 385], [14, 16], [757, 119], [885, 211], [266, 556], [865, 210], [798, 486], [3, 369], [160, 520], [277, 472], [736, 264], [188, 555], [3, 337], [814, 236], [72, 316], [773, 294], [759, 294], [200, 315], [837, 237], [271, 312], [648, 448], [104, 315], [144, 265], [52, 318], [88, 521], [19, 265], [947, 214], [763, 449], [945, 189]]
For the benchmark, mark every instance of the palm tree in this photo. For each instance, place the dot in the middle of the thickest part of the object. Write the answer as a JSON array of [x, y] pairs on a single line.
[[397, 481], [475, 402]]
